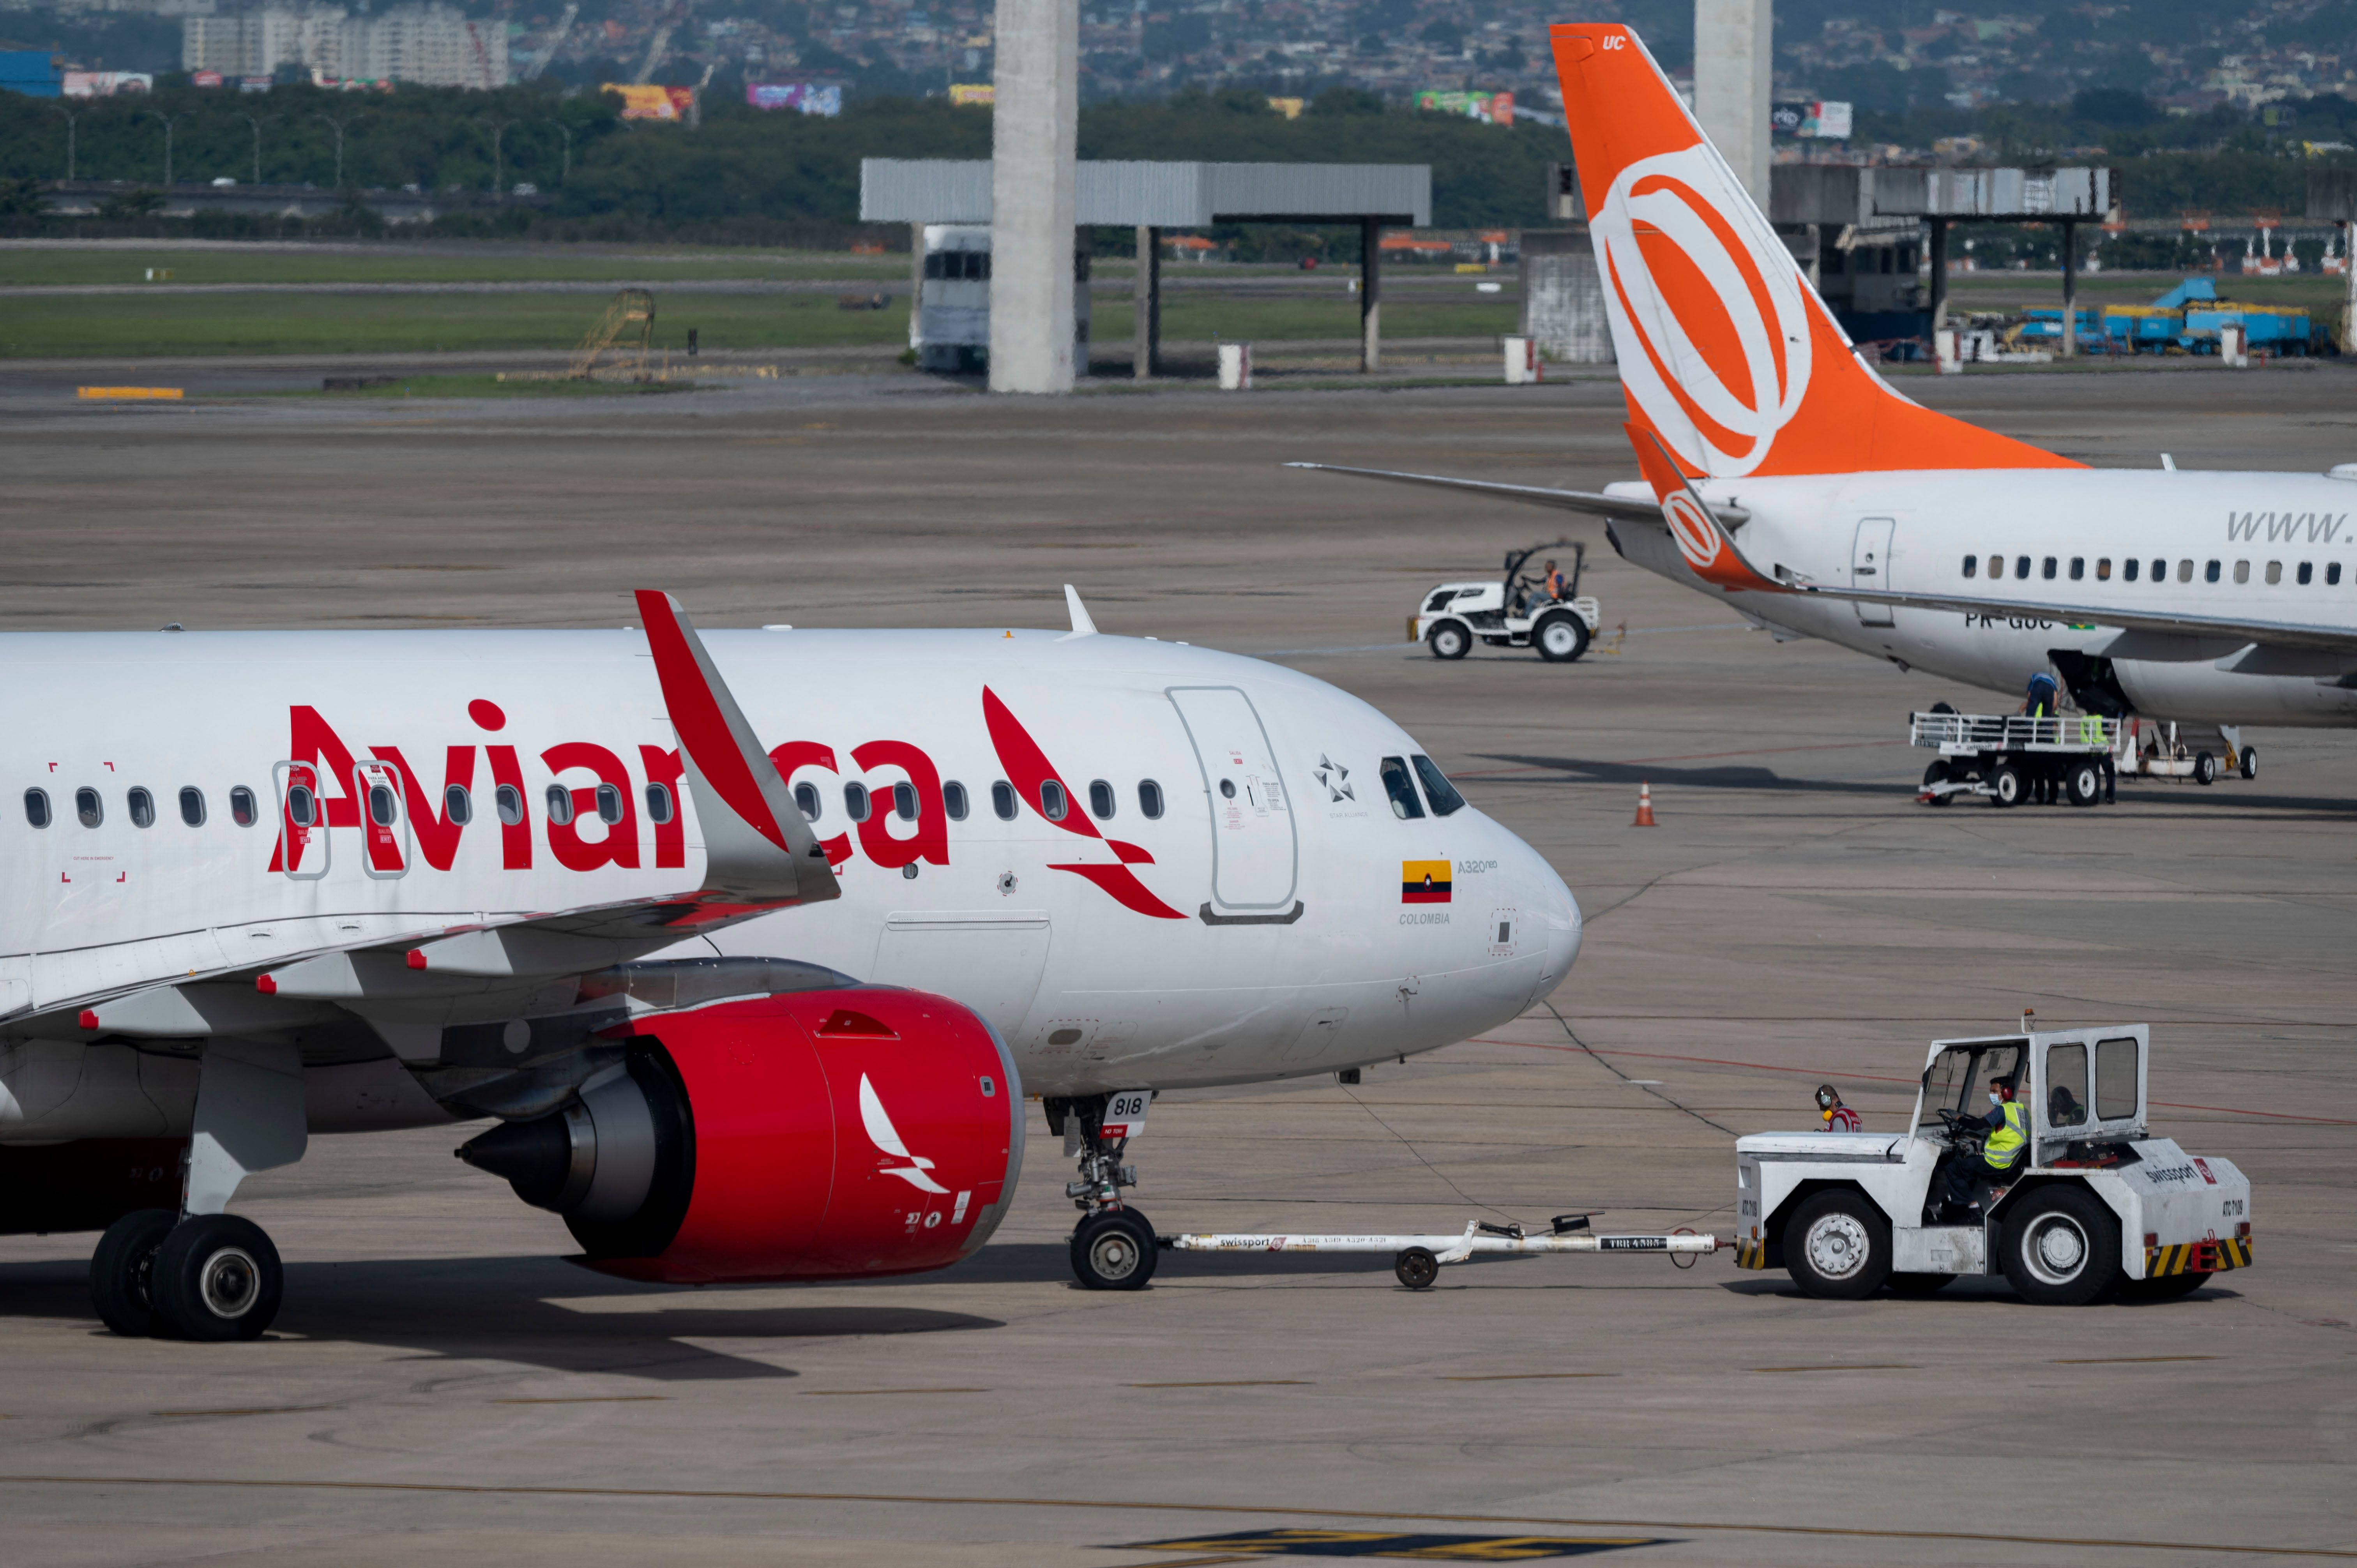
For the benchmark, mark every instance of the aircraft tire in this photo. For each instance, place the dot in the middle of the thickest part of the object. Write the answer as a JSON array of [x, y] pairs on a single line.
[[2205, 768], [2250, 762], [216, 1278], [121, 1271], [1450, 640], [1115, 1249], [2006, 786], [1560, 636]]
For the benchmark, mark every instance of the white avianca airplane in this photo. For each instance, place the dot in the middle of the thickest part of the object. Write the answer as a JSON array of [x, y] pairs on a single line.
[[283, 882], [1788, 479]]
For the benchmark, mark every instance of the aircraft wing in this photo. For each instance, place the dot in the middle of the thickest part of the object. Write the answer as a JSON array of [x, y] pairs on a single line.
[[1590, 503], [2146, 634]]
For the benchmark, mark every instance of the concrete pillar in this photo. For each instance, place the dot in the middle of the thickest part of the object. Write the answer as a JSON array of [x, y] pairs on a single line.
[[1563, 298], [1732, 56], [1034, 145], [916, 278], [2349, 281], [2070, 289], [1145, 305], [1939, 272], [1371, 280]]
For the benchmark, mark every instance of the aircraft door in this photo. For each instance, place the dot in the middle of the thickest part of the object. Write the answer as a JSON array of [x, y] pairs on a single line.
[[385, 820], [303, 840], [1869, 566], [1255, 858]]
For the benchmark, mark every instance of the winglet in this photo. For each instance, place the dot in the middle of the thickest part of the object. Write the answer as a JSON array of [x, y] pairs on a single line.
[[756, 845], [1081, 625], [1708, 548]]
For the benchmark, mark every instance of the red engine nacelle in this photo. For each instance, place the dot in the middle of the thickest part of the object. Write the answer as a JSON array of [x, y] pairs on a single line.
[[817, 1134]]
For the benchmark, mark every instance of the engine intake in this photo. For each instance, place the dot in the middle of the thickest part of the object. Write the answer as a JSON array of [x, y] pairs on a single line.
[[811, 1135]]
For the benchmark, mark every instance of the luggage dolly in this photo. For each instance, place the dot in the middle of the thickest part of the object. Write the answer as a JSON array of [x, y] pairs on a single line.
[[1418, 1258]]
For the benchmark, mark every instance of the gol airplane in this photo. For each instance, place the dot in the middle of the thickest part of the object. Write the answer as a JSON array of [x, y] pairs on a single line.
[[739, 1012], [1786, 478]]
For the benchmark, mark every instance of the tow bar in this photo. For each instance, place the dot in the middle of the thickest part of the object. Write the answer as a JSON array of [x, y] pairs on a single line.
[[1418, 1258]]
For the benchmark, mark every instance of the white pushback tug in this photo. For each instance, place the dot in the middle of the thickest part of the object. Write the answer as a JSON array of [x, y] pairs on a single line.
[[2094, 1204]]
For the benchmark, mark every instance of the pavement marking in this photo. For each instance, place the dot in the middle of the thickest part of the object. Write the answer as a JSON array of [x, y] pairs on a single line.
[[821, 1393], [254, 1409], [592, 1399], [2123, 1360], [1852, 1367], [1238, 1383], [1266, 1543], [456, 1488], [1515, 1376]]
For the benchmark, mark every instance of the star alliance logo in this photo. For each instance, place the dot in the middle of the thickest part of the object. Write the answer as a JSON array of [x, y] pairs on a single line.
[[1335, 777]]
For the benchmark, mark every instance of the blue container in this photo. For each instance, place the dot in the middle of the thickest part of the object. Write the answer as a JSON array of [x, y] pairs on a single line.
[[33, 72]]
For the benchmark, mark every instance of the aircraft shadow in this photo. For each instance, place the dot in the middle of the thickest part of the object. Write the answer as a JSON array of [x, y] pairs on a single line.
[[470, 1309]]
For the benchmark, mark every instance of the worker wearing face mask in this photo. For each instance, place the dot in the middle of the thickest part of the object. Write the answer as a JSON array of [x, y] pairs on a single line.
[[2008, 1137]]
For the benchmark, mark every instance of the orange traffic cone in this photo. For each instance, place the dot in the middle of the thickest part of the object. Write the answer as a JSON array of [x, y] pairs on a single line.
[[1644, 807]]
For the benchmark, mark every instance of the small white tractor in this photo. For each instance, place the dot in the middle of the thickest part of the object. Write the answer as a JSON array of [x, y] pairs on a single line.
[[1513, 612], [2093, 1205]]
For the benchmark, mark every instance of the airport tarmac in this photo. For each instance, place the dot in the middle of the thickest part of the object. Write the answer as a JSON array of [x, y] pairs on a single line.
[[441, 1383]]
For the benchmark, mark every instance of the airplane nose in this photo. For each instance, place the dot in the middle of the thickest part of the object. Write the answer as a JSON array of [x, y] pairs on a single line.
[[1561, 912]]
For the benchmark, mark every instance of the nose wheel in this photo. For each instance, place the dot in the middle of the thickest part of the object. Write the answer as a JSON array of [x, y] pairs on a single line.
[[1114, 1248]]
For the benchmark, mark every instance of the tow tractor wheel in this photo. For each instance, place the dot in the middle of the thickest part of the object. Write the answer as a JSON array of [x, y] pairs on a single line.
[[2084, 783], [1416, 1267], [1937, 773], [217, 1277], [1919, 1285], [2205, 768], [121, 1272], [2061, 1248], [1837, 1245], [2250, 761], [1450, 640], [1115, 1249], [1560, 636], [2166, 1287], [2006, 785]]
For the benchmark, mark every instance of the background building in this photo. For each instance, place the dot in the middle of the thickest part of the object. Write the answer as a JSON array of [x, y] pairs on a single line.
[[434, 46]]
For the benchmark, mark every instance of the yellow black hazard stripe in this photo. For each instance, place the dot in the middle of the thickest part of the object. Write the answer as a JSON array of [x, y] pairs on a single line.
[[1751, 1254], [2198, 1257]]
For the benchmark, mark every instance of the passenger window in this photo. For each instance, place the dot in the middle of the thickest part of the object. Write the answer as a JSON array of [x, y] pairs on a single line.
[[560, 804], [458, 806], [1002, 800], [37, 807], [2306, 573], [192, 805], [2021, 567], [143, 809], [302, 806], [2241, 571], [1149, 800], [2066, 1086], [2078, 567], [1052, 804], [1404, 805], [2185, 571], [1436, 787], [2209, 572], [2115, 1079], [2128, 569], [2275, 572], [1101, 801], [2049, 573], [1972, 566], [2332, 574], [659, 803], [953, 800], [1996, 568], [241, 807], [509, 802], [904, 801], [854, 801], [380, 803], [609, 805], [2104, 569], [88, 807], [806, 797]]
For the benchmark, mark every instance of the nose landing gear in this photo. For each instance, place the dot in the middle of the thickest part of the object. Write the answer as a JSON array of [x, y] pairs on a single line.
[[1113, 1247]]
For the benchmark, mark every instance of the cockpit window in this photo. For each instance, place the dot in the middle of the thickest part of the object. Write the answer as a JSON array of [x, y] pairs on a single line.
[[1396, 784], [1436, 787]]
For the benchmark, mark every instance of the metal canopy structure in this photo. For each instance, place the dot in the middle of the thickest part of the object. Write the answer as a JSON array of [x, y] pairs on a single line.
[[1843, 195], [1151, 197]]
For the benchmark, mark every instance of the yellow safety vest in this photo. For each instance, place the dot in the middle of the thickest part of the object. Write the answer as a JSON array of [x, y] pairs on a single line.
[[2091, 730], [2005, 1145]]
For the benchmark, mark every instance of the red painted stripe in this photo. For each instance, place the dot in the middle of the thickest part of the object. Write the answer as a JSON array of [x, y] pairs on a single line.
[[695, 715]]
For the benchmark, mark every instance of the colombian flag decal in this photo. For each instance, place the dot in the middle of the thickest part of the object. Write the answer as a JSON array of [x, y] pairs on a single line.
[[1424, 881]]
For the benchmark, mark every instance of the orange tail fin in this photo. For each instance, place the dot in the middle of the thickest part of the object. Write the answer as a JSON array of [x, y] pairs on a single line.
[[1726, 351]]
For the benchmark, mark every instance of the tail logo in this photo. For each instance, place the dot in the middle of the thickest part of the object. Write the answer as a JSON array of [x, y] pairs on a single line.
[[1696, 533], [1724, 360]]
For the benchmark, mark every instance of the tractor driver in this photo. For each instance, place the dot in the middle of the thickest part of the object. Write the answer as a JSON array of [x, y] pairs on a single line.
[[1558, 586], [2008, 1135]]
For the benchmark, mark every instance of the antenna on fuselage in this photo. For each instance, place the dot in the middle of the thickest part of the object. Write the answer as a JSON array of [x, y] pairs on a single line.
[[1081, 625]]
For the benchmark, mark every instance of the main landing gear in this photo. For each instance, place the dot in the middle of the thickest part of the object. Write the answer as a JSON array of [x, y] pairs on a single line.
[[1113, 1247]]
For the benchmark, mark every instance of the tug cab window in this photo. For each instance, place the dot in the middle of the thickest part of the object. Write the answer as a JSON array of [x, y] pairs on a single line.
[[1401, 788]]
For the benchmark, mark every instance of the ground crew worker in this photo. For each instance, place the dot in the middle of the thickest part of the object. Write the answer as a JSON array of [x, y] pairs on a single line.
[[2009, 1126], [1557, 586], [2039, 703], [2090, 733], [1839, 1118]]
